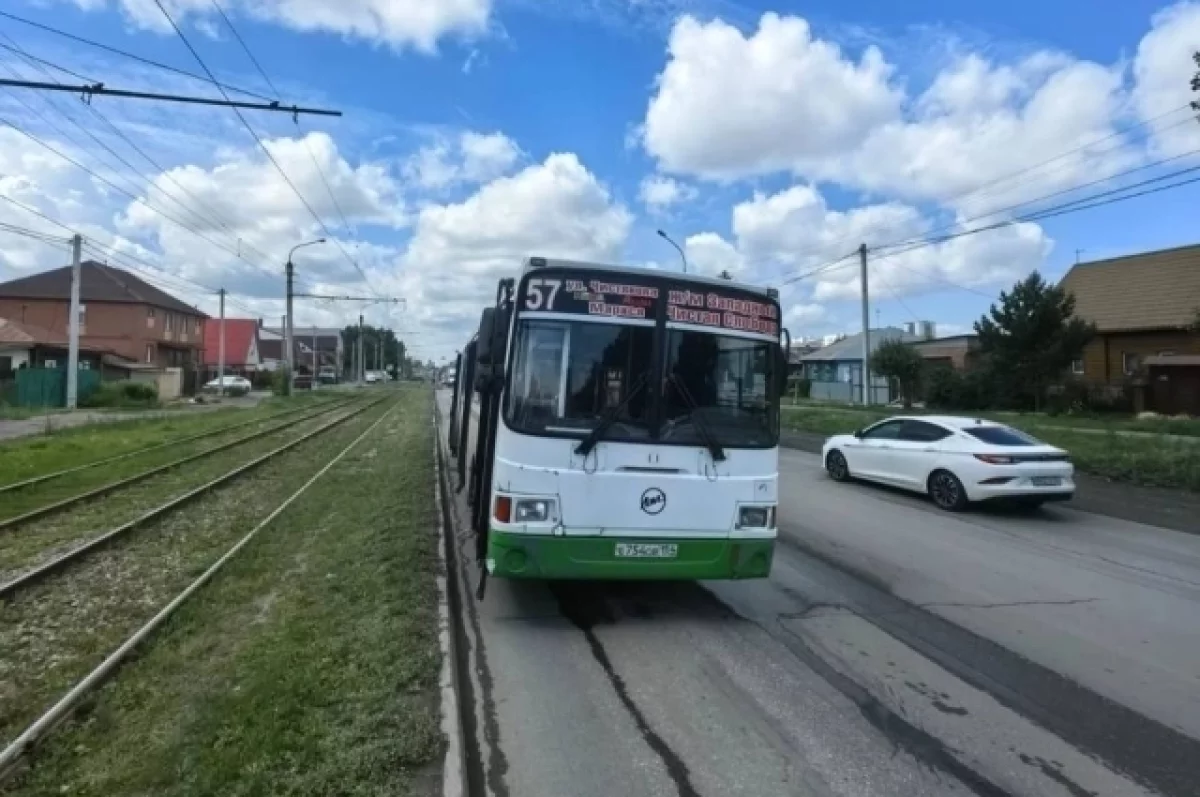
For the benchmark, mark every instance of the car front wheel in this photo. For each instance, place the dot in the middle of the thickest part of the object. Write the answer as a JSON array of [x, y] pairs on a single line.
[[947, 491], [835, 463]]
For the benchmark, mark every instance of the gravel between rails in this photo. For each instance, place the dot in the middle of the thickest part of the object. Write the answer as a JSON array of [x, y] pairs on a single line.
[[28, 545], [56, 632]]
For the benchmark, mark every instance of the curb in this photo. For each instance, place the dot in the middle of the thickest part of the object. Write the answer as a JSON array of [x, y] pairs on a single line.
[[454, 767]]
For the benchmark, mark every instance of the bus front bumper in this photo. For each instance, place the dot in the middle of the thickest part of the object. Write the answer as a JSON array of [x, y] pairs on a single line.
[[627, 558]]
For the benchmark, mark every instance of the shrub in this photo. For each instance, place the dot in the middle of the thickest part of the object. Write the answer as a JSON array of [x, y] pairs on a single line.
[[949, 389], [123, 394], [799, 387]]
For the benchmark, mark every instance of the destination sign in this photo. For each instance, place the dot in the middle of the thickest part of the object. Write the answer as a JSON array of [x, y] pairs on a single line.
[[626, 296]]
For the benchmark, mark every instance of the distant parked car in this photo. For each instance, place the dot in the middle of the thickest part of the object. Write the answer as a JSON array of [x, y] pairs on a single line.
[[373, 377], [953, 460], [234, 385], [327, 375]]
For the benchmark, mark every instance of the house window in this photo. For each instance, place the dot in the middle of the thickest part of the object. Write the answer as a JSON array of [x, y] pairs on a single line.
[[149, 353], [84, 365], [1077, 366], [82, 317], [1130, 362], [49, 363], [149, 318]]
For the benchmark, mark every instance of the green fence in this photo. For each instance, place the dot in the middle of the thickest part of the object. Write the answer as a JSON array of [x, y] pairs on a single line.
[[47, 387]]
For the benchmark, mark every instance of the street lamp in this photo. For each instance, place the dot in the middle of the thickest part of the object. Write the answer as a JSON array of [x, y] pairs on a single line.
[[678, 249], [287, 333]]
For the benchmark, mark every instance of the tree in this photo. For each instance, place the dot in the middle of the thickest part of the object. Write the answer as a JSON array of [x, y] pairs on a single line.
[[1030, 337], [394, 350], [897, 360], [1196, 80]]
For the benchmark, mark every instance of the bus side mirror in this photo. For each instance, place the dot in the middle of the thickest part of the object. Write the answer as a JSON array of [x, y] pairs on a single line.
[[483, 348]]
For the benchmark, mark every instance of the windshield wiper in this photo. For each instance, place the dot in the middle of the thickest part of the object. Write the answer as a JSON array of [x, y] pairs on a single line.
[[588, 443], [710, 440]]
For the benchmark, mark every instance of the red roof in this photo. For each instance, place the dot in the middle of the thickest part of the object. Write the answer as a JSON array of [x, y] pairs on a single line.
[[239, 333]]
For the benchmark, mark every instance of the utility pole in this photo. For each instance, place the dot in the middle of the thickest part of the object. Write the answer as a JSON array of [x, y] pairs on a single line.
[[314, 357], [221, 346], [287, 334], [866, 333], [361, 375], [73, 326]]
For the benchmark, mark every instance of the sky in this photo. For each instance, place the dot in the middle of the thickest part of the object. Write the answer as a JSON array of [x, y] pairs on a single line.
[[770, 139]]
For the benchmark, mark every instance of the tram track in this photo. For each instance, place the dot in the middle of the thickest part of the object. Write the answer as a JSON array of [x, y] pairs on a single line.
[[32, 576], [59, 623], [62, 504], [42, 478]]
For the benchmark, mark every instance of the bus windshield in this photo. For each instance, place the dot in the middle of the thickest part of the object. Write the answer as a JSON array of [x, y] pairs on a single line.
[[721, 382], [568, 375]]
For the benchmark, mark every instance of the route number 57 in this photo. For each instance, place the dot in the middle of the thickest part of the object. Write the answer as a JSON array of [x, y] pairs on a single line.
[[540, 293]]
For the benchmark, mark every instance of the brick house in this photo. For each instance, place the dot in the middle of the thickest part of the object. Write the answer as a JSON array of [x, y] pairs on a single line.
[[1145, 308], [119, 311]]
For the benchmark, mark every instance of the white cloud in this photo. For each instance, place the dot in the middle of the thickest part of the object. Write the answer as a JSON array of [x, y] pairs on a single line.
[[659, 193], [804, 315], [472, 158], [419, 24], [710, 254], [554, 209], [1161, 69], [728, 105]]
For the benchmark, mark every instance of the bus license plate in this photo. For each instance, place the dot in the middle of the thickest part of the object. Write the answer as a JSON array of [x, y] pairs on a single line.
[[643, 550], [1046, 481]]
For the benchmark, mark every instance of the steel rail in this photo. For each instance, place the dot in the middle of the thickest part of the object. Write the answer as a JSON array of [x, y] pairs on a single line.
[[42, 726], [31, 577], [104, 489], [4, 488]]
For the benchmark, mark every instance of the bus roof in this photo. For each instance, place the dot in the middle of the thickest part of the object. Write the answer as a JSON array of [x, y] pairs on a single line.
[[534, 263]]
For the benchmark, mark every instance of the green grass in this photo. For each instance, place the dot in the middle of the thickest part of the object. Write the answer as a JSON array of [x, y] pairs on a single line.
[[309, 666], [27, 457], [1158, 460]]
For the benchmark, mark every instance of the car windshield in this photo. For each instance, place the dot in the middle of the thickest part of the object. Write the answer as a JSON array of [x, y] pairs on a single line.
[[1002, 436]]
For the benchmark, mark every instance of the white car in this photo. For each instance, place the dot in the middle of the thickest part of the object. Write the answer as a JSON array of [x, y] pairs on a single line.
[[372, 377], [953, 460], [231, 383]]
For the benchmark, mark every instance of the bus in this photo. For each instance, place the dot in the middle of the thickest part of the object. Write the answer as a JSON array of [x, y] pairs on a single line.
[[627, 425]]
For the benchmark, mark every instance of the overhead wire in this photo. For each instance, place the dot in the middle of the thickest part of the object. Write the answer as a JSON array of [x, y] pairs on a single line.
[[132, 56], [210, 220], [329, 235]]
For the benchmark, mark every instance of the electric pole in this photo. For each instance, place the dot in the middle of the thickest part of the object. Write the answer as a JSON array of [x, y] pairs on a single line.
[[866, 333], [221, 346], [287, 334], [361, 375], [314, 358], [73, 326]]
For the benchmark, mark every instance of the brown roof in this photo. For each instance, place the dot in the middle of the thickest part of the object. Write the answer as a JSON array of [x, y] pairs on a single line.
[[1152, 290], [98, 283], [15, 332]]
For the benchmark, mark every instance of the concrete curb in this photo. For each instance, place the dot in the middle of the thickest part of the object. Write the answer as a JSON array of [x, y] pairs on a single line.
[[454, 766]]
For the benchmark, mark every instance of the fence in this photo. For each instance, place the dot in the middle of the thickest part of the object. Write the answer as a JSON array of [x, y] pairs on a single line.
[[47, 387], [849, 392]]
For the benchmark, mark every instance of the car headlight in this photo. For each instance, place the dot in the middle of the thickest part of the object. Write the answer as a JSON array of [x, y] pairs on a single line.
[[756, 517], [533, 510]]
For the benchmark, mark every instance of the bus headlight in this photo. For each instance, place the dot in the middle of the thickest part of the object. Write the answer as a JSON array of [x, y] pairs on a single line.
[[756, 517], [533, 510]]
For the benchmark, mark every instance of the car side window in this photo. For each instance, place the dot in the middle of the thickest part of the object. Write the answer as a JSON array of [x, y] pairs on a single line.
[[888, 430], [922, 432]]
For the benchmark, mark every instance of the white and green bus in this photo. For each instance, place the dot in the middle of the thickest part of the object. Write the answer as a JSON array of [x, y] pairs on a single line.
[[628, 425]]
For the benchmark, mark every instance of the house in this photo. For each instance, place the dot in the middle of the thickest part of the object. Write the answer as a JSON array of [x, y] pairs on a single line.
[[326, 341], [1145, 308], [119, 312], [241, 345], [33, 365], [835, 371], [953, 351]]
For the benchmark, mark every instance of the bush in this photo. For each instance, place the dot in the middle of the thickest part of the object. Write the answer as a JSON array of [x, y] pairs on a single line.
[[123, 394], [279, 380], [949, 389], [799, 387]]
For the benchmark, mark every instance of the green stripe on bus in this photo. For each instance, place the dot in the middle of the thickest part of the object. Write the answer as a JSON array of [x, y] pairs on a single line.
[[537, 556]]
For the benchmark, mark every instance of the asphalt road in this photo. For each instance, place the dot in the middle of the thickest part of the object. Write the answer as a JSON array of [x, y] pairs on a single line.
[[895, 650]]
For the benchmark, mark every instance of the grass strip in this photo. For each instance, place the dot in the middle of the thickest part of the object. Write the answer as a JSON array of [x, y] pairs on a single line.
[[1148, 460], [26, 457], [307, 667], [59, 629], [41, 539]]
